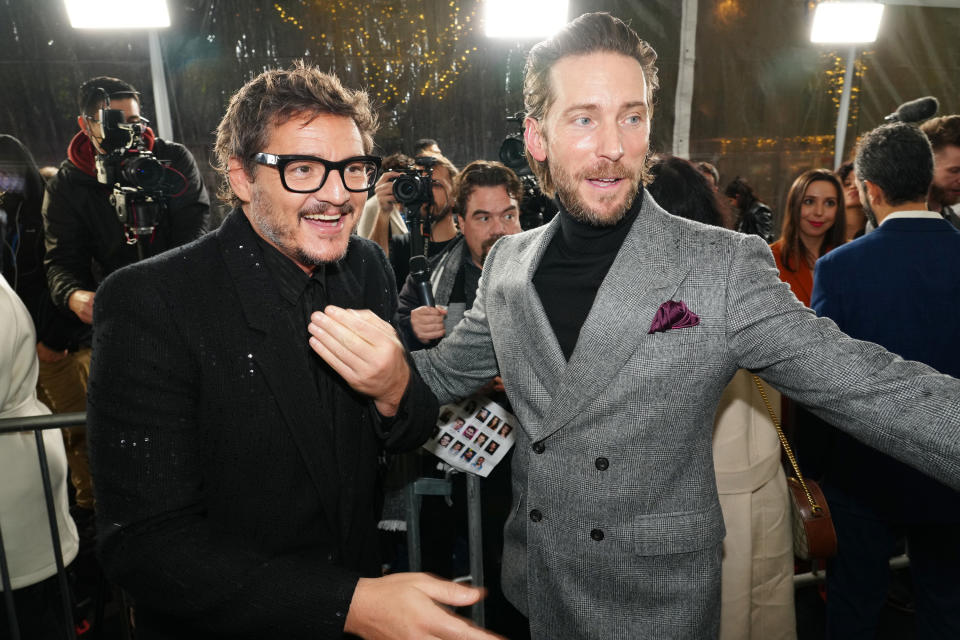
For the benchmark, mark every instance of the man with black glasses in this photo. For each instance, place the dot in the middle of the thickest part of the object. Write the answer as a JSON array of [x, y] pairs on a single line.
[[236, 472]]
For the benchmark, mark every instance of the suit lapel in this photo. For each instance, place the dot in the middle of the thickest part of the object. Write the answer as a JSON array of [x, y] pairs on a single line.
[[281, 359], [644, 275], [539, 342]]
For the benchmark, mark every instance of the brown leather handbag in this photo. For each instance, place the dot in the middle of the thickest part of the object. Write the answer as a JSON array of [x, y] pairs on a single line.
[[814, 537]]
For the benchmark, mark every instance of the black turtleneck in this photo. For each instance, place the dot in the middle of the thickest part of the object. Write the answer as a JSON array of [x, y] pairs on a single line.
[[573, 268]]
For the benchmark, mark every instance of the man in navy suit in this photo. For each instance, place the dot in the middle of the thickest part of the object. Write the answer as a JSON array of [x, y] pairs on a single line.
[[898, 287]]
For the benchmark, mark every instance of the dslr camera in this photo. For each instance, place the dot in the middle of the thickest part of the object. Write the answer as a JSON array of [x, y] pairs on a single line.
[[414, 187], [136, 175]]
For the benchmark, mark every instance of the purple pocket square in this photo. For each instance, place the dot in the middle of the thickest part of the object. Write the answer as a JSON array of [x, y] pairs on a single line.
[[673, 314]]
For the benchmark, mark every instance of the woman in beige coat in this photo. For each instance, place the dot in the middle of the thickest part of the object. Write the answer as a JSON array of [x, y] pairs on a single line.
[[757, 579]]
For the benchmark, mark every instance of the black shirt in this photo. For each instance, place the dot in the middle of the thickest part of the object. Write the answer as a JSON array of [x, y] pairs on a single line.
[[573, 268], [305, 294]]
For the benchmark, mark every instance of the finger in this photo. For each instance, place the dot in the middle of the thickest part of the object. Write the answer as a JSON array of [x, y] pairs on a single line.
[[449, 592], [343, 370], [337, 322], [448, 626], [341, 349], [369, 319]]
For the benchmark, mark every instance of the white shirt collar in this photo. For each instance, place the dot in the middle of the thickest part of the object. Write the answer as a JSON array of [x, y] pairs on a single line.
[[933, 215]]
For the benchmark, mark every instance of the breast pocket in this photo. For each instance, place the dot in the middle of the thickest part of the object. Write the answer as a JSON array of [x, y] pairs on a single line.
[[677, 344]]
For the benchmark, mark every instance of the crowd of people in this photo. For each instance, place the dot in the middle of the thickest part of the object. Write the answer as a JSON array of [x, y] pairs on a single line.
[[250, 388]]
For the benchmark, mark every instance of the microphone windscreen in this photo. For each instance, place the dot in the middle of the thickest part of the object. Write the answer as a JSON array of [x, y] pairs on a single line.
[[917, 110]]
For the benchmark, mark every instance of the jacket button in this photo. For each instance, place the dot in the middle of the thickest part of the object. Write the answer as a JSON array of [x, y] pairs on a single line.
[[597, 534], [602, 464], [536, 516], [538, 447]]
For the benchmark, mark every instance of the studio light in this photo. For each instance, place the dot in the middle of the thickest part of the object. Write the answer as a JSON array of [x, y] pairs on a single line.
[[524, 19], [118, 14], [846, 22]]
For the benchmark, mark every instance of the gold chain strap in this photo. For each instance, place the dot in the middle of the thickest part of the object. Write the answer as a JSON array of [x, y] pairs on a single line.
[[786, 447]]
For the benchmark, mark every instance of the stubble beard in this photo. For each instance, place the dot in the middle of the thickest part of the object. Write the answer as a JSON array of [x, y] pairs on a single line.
[[566, 187], [282, 236], [867, 211], [941, 197]]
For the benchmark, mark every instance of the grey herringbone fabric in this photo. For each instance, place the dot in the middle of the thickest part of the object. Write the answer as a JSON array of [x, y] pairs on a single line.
[[616, 529]]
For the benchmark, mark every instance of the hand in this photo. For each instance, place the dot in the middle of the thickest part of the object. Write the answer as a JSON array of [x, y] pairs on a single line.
[[406, 606], [47, 355], [427, 323], [81, 303], [496, 384], [365, 351], [384, 192]]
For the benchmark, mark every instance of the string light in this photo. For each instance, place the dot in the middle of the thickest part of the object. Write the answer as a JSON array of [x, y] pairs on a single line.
[[430, 54]]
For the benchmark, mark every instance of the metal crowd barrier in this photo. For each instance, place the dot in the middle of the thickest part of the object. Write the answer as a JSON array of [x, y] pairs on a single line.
[[443, 487], [37, 424]]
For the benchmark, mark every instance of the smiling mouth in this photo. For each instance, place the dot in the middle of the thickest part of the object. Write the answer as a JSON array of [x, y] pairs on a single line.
[[326, 222], [604, 182]]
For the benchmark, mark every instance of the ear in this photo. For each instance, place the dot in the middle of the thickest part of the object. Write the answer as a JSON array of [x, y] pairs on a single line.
[[239, 179], [82, 123], [875, 194], [534, 139]]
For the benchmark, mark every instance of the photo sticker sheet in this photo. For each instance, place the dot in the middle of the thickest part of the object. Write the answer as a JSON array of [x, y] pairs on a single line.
[[473, 434]]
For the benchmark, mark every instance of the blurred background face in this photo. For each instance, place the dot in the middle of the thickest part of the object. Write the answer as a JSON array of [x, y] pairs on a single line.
[[491, 214], [946, 175], [818, 209], [851, 194], [94, 128], [442, 188]]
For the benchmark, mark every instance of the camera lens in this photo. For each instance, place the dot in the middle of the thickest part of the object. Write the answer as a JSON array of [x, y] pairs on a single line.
[[144, 171], [512, 152], [406, 189]]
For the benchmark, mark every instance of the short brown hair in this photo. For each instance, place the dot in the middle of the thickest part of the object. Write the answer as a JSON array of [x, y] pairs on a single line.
[[942, 131], [273, 98], [484, 173], [590, 33]]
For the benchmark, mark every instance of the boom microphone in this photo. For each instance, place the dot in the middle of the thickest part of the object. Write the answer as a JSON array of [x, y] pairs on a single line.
[[421, 280], [915, 111]]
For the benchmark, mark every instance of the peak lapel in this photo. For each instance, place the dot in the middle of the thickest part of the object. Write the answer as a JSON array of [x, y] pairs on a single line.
[[537, 337]]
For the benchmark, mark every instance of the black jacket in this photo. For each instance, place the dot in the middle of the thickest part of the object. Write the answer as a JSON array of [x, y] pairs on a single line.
[[85, 239], [222, 506], [23, 249]]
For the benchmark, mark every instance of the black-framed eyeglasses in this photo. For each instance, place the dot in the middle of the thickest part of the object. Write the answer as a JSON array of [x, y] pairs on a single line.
[[307, 174]]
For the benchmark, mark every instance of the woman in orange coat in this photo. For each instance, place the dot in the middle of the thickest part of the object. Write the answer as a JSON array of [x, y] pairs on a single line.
[[814, 223]]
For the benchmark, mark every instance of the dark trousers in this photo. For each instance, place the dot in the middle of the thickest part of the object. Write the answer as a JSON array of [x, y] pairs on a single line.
[[858, 577], [39, 612]]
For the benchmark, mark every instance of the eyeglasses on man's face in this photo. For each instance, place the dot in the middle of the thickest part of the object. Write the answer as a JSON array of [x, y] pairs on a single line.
[[307, 174]]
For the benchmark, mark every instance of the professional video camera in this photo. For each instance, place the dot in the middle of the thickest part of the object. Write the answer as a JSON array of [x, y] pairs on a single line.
[[536, 208], [136, 175]]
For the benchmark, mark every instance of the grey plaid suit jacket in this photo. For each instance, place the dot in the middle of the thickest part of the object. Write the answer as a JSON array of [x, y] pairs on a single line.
[[616, 529]]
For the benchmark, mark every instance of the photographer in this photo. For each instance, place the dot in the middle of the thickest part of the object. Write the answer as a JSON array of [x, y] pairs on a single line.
[[486, 199], [436, 215], [382, 216], [86, 240]]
